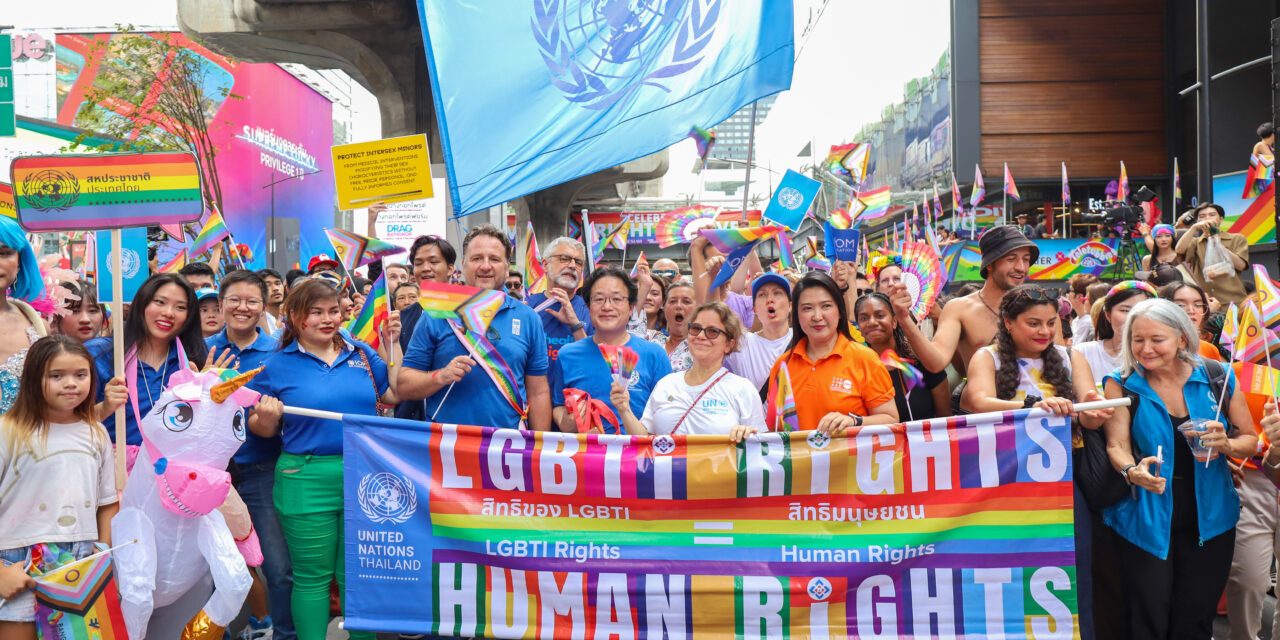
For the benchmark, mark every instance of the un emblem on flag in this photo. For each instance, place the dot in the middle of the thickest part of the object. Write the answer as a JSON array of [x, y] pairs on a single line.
[[386, 497], [601, 51]]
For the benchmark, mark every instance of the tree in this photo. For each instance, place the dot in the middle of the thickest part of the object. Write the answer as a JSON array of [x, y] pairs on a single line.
[[156, 92]]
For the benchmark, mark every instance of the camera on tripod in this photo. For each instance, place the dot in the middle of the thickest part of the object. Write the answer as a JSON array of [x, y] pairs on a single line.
[[1124, 216]]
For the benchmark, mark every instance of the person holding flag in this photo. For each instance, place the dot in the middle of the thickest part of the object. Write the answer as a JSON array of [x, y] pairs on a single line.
[[758, 350], [437, 360], [565, 316]]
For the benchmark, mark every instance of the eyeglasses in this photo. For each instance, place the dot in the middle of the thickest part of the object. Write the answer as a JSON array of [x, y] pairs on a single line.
[[1198, 306], [712, 332], [560, 257], [599, 301], [252, 303]]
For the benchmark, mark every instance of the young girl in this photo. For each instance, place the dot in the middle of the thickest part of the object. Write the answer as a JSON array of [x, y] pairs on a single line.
[[66, 499], [85, 316]]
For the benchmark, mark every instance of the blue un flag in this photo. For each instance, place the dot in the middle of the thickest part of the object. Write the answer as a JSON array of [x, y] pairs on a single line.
[[532, 93]]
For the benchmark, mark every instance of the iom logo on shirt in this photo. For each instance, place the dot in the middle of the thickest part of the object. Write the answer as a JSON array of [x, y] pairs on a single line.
[[386, 497], [842, 385]]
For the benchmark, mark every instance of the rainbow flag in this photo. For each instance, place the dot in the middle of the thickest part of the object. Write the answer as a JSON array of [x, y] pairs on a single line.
[[1011, 187], [79, 600], [727, 240], [937, 203], [1260, 174], [840, 219], [1255, 343], [785, 251], [1066, 188], [875, 202], [213, 232], [811, 243], [780, 408], [979, 189], [1230, 328], [705, 140], [366, 326], [956, 203], [911, 376], [176, 264], [855, 161], [534, 273], [1123, 194], [443, 300], [818, 262], [1177, 182], [640, 262], [354, 250], [616, 237], [592, 243], [835, 157], [1258, 222], [1268, 298]]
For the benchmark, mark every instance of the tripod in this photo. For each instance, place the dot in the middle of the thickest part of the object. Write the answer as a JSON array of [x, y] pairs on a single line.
[[1128, 258]]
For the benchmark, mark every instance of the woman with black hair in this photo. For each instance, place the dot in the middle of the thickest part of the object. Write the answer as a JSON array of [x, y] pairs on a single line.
[[1103, 354], [162, 322], [837, 382], [1193, 301], [879, 327]]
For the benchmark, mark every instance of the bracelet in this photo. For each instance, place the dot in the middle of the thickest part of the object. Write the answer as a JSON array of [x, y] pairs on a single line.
[[1268, 464], [1125, 472]]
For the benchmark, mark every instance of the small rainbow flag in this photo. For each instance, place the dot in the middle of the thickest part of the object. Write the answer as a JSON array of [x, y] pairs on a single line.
[[818, 262], [786, 255], [705, 141], [1177, 182], [213, 232], [937, 203], [1268, 298], [911, 376], [1231, 327], [840, 219], [781, 404], [812, 243], [877, 203], [1260, 174], [1123, 194], [726, 240], [354, 250], [640, 262], [855, 161], [366, 326], [956, 202], [79, 599], [979, 189], [1255, 343], [473, 305], [176, 264], [836, 156], [616, 237], [1011, 187], [534, 273], [1066, 188]]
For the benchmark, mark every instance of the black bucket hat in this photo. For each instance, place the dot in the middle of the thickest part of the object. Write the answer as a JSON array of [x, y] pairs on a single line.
[[999, 241]]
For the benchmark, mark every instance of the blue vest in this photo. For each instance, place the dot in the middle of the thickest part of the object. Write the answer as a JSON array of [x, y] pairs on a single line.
[[1147, 520]]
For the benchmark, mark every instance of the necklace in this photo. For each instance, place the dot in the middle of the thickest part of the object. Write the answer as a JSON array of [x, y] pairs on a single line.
[[984, 303]]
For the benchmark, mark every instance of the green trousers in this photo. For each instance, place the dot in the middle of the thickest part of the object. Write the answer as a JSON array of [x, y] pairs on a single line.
[[308, 497]]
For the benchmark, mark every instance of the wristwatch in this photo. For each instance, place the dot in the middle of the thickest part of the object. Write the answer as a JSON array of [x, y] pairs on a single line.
[[1125, 472], [1030, 401], [857, 419], [576, 327]]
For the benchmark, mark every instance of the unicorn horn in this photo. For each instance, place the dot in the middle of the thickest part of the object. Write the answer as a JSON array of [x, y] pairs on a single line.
[[223, 390]]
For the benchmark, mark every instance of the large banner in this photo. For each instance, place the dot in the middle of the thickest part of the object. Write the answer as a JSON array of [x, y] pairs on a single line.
[[1059, 260], [958, 527]]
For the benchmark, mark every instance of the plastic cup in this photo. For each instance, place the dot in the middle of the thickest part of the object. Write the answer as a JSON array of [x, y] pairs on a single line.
[[1201, 452]]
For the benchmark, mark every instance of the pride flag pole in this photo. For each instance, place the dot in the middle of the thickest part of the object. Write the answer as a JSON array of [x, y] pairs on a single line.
[[751, 146], [117, 341]]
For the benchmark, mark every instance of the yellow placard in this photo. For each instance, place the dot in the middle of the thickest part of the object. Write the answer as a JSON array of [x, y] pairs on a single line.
[[6, 201], [388, 170]]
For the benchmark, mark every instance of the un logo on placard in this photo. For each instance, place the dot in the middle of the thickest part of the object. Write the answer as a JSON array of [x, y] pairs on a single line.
[[386, 497], [51, 190], [129, 262], [790, 198], [600, 51]]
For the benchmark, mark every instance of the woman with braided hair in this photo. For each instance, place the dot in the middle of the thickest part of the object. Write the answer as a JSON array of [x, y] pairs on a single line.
[[1024, 368]]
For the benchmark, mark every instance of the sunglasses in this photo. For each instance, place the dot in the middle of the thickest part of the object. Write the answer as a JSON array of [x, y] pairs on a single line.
[[1035, 294], [667, 273], [712, 332]]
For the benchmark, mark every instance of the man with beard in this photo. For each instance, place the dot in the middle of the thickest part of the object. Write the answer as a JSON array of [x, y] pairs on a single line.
[[969, 323], [436, 360], [567, 318]]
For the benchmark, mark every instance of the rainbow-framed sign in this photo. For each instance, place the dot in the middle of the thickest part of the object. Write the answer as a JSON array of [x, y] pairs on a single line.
[[106, 191]]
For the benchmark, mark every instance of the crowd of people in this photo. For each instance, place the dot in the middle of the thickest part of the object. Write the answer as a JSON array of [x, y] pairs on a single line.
[[1155, 556]]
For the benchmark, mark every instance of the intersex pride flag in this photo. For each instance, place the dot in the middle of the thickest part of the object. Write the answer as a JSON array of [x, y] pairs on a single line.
[[957, 527]]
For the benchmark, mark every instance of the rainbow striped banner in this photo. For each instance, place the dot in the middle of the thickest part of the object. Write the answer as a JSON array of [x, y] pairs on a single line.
[[515, 534], [106, 191]]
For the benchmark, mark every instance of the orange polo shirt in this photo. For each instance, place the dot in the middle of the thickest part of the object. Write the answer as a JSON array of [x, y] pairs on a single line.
[[850, 379], [1207, 350]]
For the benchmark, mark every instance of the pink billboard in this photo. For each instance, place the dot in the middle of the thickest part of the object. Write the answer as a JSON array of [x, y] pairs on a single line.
[[277, 130]]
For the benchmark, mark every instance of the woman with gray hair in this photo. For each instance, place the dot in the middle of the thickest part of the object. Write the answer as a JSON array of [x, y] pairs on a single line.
[[1177, 530]]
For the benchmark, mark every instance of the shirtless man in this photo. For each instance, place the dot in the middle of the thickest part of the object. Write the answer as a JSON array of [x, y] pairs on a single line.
[[969, 323]]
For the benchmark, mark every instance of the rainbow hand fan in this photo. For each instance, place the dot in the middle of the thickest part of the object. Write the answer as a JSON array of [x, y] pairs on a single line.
[[622, 361], [923, 276], [682, 225]]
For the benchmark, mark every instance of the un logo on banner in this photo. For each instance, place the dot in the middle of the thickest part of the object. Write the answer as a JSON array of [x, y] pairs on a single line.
[[51, 190], [129, 262], [385, 497], [819, 588], [600, 51]]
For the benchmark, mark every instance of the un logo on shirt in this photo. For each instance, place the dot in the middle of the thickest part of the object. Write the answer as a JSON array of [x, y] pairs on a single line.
[[386, 497], [601, 51]]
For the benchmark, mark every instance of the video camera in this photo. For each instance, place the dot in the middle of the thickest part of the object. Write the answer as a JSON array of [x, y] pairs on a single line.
[[1123, 216]]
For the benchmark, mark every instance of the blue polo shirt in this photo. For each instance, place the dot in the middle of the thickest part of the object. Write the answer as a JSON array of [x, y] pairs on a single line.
[[300, 379], [255, 448], [517, 334], [582, 366], [558, 333], [151, 384]]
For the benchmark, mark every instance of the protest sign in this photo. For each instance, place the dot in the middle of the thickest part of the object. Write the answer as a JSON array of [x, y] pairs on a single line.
[[958, 527], [133, 262], [108, 191], [389, 170], [6, 201], [402, 222], [791, 200], [841, 244]]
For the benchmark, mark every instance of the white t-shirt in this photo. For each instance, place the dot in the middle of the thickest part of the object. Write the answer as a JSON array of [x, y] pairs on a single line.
[[1100, 362], [1031, 373], [53, 494], [731, 402], [1082, 329], [756, 356]]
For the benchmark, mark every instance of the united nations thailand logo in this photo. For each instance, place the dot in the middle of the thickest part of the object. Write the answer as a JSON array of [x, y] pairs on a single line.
[[818, 440], [664, 444], [819, 588], [51, 190], [600, 51], [790, 198], [386, 497]]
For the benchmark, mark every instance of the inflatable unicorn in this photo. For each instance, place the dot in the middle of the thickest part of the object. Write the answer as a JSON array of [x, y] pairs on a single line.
[[170, 507]]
